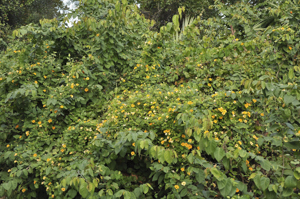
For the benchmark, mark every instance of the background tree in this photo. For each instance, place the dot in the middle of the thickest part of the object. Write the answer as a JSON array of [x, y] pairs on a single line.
[[17, 13], [162, 11]]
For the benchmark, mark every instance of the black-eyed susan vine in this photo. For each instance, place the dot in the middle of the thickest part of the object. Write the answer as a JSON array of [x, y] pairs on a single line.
[[109, 109]]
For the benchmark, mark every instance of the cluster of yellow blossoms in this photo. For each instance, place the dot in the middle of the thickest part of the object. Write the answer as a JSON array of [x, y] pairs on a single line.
[[189, 146], [246, 113], [222, 110]]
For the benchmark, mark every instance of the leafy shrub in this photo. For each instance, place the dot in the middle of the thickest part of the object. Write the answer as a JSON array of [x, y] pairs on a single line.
[[108, 109]]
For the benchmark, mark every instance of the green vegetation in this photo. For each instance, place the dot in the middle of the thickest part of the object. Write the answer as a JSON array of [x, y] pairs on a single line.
[[109, 108]]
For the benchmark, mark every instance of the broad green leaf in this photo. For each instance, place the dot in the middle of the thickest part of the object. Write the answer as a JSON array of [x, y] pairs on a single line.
[[217, 174], [264, 183], [290, 182], [83, 191], [168, 155], [242, 153], [287, 192], [265, 164], [219, 154]]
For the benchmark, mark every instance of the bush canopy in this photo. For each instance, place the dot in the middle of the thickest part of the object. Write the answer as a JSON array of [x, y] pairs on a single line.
[[109, 108]]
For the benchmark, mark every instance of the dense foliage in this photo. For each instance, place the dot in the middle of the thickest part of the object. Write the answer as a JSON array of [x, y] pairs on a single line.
[[109, 109], [17, 13]]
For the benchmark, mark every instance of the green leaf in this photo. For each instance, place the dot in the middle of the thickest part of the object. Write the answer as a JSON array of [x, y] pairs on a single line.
[[145, 188], [7, 185], [217, 174], [228, 189], [190, 158], [219, 154], [297, 175], [200, 176], [83, 191], [242, 153], [288, 99], [72, 193], [287, 192], [290, 182], [127, 195], [265, 164], [264, 183], [183, 192], [168, 155], [256, 180], [291, 73]]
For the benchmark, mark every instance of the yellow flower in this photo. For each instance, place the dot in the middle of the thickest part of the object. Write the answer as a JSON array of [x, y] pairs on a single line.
[[13, 81], [209, 84], [215, 121], [87, 78], [254, 100], [190, 102], [61, 106], [236, 39], [132, 105], [133, 144], [44, 90], [147, 77], [45, 76], [35, 82], [242, 44], [23, 190], [71, 96], [52, 196], [250, 168], [237, 190], [290, 48], [62, 150], [262, 114], [132, 153], [183, 136], [63, 189], [63, 145], [27, 133], [86, 89], [97, 35], [34, 155], [182, 169], [50, 120], [40, 122], [9, 170], [190, 140], [247, 105], [176, 187]]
